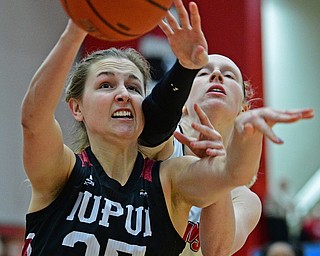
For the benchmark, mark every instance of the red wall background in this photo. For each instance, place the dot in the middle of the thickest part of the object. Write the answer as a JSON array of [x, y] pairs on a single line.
[[232, 28]]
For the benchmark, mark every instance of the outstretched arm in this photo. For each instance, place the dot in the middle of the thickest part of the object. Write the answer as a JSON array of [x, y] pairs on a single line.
[[163, 107], [220, 174], [203, 182]]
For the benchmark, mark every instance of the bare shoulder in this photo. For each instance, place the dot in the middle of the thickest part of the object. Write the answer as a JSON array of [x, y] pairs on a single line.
[[48, 185], [244, 193], [248, 205]]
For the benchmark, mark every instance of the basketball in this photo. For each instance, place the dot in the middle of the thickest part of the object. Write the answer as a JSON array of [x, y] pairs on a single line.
[[116, 20]]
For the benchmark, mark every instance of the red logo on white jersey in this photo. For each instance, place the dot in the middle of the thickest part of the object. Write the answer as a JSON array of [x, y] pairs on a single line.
[[191, 236]]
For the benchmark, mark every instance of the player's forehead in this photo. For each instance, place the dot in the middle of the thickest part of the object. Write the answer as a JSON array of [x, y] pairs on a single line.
[[116, 65], [220, 61]]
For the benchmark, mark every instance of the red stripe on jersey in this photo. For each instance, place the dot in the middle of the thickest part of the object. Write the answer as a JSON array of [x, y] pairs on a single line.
[[84, 158], [147, 169]]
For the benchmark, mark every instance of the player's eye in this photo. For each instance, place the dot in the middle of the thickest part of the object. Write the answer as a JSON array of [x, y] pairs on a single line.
[[134, 89], [202, 73], [105, 85], [229, 75]]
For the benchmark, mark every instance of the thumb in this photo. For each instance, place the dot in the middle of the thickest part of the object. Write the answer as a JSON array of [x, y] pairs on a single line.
[[200, 56]]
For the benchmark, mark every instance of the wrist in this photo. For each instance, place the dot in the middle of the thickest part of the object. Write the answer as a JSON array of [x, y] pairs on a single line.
[[73, 33]]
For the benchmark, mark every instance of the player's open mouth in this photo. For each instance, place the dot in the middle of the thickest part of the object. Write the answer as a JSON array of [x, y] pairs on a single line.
[[217, 89], [122, 114]]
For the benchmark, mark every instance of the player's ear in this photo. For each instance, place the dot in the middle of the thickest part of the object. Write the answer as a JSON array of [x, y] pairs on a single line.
[[244, 108], [184, 111], [75, 109]]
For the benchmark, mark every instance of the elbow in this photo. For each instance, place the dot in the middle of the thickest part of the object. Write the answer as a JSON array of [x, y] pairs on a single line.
[[26, 118], [33, 116]]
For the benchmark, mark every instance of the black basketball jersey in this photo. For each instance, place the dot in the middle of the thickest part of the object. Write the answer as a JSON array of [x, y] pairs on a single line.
[[95, 215]]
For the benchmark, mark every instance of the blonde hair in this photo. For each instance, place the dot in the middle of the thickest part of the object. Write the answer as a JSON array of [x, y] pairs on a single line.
[[78, 76]]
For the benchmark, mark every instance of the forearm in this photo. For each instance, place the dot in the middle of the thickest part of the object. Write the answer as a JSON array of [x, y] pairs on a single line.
[[163, 107], [217, 228], [46, 86], [226, 225], [243, 158]]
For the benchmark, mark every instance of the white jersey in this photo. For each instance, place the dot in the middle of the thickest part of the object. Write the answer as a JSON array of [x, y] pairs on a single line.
[[191, 235]]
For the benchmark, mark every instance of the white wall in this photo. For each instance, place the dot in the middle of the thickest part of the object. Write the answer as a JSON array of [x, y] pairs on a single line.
[[28, 30], [291, 52]]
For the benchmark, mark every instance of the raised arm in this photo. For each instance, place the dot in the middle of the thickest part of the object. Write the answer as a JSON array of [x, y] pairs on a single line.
[[43, 147], [163, 107]]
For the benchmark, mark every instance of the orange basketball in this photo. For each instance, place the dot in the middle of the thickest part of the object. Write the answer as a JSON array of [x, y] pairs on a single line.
[[116, 20]]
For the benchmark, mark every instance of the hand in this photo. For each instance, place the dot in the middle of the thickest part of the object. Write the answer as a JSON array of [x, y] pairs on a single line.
[[209, 142], [187, 40], [263, 119]]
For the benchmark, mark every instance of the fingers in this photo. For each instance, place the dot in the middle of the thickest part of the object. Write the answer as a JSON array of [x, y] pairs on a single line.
[[183, 17], [264, 119], [307, 113], [202, 116], [195, 18], [207, 132], [264, 128], [186, 39], [203, 144], [286, 117], [211, 148], [165, 28], [283, 116], [209, 138], [183, 139], [202, 148], [169, 26], [261, 120], [277, 116], [301, 113], [215, 152], [210, 142], [182, 13]]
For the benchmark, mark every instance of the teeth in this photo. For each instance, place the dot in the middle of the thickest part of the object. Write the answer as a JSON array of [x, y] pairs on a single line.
[[122, 114], [216, 90]]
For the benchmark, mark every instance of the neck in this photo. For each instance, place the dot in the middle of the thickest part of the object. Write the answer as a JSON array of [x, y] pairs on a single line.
[[117, 161]]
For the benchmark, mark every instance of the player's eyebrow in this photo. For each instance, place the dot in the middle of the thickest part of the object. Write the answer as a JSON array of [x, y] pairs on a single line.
[[108, 73]]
